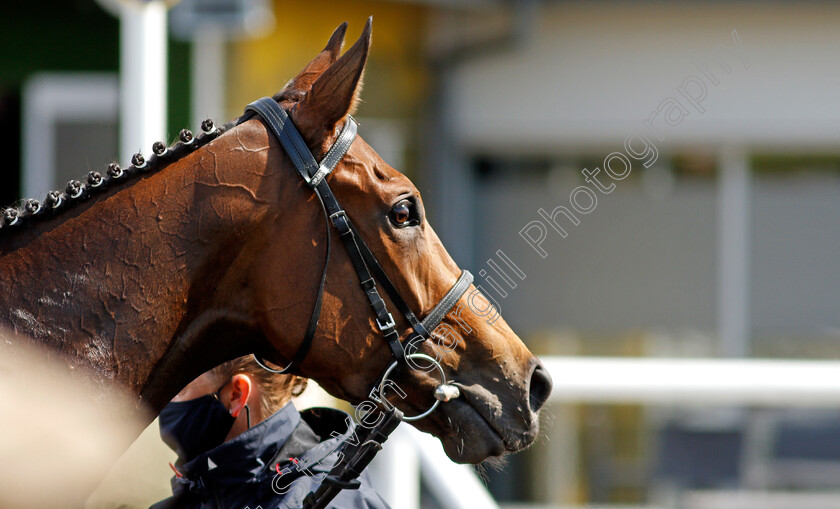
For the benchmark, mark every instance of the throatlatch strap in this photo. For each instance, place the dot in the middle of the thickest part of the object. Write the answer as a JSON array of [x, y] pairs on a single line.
[[284, 130]]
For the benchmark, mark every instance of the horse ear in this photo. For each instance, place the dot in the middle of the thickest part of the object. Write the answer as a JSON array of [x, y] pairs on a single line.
[[335, 93], [304, 80]]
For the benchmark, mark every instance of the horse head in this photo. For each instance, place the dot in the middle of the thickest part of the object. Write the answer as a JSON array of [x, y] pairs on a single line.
[[149, 275], [502, 384]]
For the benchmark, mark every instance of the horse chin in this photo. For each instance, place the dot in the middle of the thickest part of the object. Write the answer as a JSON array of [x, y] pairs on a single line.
[[471, 439], [471, 436]]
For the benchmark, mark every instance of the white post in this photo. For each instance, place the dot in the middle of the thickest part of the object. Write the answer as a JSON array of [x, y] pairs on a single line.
[[208, 75], [395, 471], [143, 65], [733, 228], [453, 486]]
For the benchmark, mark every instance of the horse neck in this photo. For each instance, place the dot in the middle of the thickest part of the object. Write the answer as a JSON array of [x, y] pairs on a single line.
[[127, 288]]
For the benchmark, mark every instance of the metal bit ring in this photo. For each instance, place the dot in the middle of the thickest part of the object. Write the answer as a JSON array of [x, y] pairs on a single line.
[[442, 388]]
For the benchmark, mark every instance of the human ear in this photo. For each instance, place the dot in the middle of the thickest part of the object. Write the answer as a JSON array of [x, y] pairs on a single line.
[[240, 391]]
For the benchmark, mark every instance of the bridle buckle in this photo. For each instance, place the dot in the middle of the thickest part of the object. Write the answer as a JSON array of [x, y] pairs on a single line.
[[340, 221], [389, 323]]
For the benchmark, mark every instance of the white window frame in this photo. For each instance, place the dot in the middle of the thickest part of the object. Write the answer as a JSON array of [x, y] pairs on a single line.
[[50, 98]]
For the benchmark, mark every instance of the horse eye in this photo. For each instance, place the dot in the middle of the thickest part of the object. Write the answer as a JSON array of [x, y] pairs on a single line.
[[402, 214]]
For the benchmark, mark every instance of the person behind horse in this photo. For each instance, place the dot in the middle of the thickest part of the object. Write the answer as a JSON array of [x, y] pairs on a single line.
[[241, 442]]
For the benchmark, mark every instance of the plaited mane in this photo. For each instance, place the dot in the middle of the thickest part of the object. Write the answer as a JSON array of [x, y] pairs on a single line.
[[31, 211]]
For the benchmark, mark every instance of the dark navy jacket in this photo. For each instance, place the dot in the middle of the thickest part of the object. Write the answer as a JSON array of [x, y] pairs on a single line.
[[273, 465]]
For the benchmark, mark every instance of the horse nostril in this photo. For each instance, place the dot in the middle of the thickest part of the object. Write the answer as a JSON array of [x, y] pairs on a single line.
[[540, 388]]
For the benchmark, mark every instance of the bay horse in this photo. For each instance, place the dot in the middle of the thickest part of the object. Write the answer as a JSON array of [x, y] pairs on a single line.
[[145, 277]]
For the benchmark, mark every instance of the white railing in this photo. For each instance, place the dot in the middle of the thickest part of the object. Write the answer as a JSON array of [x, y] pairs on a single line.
[[694, 381], [668, 381], [406, 455]]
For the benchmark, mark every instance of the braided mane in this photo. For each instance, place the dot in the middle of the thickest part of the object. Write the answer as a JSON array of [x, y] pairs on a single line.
[[27, 212]]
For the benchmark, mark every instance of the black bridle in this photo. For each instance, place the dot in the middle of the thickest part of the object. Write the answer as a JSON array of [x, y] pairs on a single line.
[[314, 173], [364, 262]]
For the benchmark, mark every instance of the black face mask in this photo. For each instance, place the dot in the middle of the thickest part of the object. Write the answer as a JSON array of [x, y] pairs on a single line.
[[195, 426]]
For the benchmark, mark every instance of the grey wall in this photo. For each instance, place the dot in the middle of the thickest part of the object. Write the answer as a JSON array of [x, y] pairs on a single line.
[[645, 262], [633, 262], [796, 255]]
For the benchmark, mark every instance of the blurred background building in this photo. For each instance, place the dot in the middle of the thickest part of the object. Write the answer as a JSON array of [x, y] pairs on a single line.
[[725, 246]]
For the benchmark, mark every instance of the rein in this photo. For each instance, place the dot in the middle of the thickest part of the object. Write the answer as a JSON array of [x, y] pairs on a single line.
[[369, 270]]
